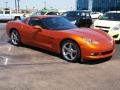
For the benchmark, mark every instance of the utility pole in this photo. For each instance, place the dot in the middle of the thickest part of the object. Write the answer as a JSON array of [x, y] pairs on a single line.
[[15, 6], [18, 5]]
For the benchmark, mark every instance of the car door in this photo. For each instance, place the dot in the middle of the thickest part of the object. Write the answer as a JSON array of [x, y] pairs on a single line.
[[26, 31], [39, 37], [7, 15]]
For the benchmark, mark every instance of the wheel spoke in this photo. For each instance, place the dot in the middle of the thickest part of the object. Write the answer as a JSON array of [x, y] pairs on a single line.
[[71, 56], [66, 48], [67, 53], [74, 51], [70, 45]]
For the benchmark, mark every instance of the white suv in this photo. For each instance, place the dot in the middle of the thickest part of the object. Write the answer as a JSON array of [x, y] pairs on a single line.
[[110, 23]]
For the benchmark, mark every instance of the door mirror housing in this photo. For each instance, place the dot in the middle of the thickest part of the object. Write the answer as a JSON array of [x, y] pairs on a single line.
[[37, 27], [100, 17]]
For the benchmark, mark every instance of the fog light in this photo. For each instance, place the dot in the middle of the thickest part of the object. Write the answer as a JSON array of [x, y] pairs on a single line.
[[94, 54]]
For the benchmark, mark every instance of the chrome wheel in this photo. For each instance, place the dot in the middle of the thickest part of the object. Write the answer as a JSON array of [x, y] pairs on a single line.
[[15, 38], [70, 51]]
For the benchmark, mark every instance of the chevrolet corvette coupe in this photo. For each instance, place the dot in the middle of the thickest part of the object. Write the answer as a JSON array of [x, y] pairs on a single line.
[[58, 35]]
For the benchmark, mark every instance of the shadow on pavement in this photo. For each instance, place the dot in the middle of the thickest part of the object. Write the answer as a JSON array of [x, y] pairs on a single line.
[[87, 62], [97, 61], [41, 50]]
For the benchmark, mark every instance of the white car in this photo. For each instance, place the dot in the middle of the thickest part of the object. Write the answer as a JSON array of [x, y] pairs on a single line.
[[8, 15], [96, 15], [110, 23]]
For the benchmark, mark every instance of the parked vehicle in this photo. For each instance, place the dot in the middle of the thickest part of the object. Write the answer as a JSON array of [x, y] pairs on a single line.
[[52, 13], [8, 15], [37, 13], [110, 23], [57, 34], [79, 18], [96, 15]]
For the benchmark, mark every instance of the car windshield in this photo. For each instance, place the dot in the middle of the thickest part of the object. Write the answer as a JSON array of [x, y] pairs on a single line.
[[111, 16], [56, 23], [72, 16]]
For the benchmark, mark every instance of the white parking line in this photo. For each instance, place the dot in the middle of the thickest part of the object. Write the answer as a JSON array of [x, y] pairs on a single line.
[[5, 60]]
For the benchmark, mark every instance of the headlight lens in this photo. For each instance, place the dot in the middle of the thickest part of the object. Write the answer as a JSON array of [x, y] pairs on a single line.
[[117, 27], [90, 41]]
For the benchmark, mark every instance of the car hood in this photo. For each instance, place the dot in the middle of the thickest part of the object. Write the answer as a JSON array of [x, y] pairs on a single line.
[[106, 23], [89, 33]]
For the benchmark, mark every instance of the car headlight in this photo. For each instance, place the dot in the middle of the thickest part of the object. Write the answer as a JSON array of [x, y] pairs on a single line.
[[90, 41], [117, 27]]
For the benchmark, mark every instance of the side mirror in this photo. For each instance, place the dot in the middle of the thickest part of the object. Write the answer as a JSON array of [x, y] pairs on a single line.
[[37, 27], [100, 17]]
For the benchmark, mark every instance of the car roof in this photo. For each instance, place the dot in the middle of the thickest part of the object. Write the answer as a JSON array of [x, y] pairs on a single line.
[[113, 12], [79, 11], [45, 16]]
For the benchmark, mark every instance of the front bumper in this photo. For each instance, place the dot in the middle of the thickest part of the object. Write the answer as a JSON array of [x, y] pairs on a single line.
[[114, 34], [100, 55], [103, 51]]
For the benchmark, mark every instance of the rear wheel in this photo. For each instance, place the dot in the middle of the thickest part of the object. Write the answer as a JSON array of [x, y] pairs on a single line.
[[17, 18], [15, 38], [70, 51]]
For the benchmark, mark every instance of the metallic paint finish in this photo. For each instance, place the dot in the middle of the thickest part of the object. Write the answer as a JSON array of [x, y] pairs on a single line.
[[51, 39]]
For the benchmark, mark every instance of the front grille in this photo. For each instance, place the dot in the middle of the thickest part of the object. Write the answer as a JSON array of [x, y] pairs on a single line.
[[107, 52], [102, 27]]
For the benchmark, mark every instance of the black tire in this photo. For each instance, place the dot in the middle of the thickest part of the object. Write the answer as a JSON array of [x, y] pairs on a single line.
[[70, 51], [15, 38], [17, 18]]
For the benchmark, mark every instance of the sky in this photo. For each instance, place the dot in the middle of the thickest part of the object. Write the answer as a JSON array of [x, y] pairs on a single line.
[[38, 4]]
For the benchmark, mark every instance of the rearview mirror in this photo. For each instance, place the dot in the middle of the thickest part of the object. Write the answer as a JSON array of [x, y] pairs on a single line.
[[37, 27]]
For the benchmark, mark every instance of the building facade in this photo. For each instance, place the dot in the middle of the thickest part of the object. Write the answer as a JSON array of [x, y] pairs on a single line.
[[98, 5]]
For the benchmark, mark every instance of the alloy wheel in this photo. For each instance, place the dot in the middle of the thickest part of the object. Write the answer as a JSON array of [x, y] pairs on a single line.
[[15, 37], [70, 51]]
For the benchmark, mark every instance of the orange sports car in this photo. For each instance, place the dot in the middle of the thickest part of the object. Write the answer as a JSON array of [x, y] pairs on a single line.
[[56, 34]]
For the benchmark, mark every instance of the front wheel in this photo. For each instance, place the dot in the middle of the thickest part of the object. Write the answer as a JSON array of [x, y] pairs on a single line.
[[70, 51], [15, 38]]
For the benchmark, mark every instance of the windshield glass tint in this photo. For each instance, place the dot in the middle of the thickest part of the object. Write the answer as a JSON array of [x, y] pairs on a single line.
[[111, 16], [56, 23]]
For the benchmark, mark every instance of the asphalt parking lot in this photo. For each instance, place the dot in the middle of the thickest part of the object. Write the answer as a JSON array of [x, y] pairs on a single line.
[[28, 68]]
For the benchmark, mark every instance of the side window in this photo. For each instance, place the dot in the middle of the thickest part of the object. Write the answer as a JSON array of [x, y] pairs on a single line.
[[34, 21], [7, 12]]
